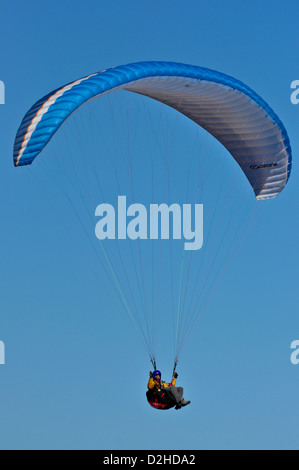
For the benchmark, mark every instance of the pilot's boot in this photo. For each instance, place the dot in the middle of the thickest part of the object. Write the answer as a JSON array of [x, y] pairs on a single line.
[[185, 402]]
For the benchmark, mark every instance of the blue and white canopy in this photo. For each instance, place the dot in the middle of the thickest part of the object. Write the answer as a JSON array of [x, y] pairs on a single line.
[[227, 108]]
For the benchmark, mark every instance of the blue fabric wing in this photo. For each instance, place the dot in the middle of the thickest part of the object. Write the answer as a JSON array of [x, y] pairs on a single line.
[[228, 109]]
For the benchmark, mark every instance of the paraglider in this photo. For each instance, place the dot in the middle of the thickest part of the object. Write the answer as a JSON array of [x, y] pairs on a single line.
[[162, 395], [231, 112]]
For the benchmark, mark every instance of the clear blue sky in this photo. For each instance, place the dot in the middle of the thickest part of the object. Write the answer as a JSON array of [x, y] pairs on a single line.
[[75, 375]]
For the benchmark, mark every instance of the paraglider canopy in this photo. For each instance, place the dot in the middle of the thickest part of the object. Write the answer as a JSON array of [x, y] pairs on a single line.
[[227, 108]]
